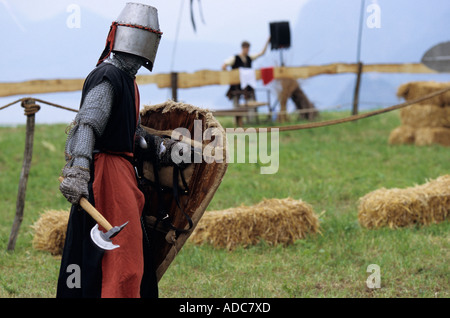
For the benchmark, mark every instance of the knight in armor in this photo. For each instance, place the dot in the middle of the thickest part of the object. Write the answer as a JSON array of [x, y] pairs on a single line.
[[99, 166]]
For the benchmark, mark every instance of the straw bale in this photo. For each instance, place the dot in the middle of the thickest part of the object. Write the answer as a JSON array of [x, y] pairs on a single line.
[[50, 231], [430, 136], [429, 115], [413, 90], [276, 221], [422, 204], [402, 135]]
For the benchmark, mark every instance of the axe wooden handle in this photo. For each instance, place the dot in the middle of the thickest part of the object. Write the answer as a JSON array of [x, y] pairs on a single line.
[[87, 206]]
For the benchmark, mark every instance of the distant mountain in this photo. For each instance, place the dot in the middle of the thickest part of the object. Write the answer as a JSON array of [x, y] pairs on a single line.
[[408, 30], [50, 49], [376, 91], [326, 32]]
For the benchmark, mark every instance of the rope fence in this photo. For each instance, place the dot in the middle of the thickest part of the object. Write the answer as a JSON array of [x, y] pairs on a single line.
[[360, 116], [25, 100], [349, 118], [32, 108]]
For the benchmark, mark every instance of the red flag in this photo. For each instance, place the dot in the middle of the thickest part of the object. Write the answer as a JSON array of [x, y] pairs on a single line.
[[267, 75]]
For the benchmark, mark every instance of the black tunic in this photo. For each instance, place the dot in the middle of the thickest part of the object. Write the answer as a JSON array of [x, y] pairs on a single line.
[[235, 90], [78, 248]]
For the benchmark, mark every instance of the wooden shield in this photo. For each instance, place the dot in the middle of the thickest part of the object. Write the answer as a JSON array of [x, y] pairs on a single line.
[[203, 178]]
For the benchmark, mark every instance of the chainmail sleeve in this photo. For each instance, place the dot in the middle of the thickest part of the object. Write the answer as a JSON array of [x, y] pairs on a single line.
[[89, 124]]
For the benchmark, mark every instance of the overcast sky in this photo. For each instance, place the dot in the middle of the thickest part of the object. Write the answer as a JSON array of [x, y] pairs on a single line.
[[258, 13], [223, 19], [326, 33]]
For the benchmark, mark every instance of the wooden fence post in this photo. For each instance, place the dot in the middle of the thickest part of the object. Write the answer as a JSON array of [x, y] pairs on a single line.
[[174, 84], [357, 87], [30, 110]]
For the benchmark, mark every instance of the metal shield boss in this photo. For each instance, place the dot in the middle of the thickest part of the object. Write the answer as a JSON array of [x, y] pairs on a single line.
[[134, 39]]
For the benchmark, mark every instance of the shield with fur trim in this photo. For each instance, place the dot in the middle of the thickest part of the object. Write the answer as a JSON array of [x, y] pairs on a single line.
[[177, 196]]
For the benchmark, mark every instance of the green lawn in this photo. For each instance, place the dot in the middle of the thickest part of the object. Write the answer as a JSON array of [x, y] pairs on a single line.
[[330, 168]]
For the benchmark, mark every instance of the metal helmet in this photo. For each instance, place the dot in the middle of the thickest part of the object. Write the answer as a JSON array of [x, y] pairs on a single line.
[[136, 31]]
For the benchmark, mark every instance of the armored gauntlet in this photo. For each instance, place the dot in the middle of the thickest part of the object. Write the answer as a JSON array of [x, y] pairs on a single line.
[[75, 184]]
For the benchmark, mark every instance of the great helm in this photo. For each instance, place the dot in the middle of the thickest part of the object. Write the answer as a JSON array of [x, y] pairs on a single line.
[[136, 31]]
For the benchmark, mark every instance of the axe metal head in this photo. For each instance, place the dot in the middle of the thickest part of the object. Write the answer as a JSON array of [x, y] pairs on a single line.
[[103, 240]]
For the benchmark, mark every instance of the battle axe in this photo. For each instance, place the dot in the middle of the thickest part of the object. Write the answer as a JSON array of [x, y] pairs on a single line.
[[102, 240]]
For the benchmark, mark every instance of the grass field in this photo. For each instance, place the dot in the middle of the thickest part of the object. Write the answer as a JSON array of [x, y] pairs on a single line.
[[330, 168]]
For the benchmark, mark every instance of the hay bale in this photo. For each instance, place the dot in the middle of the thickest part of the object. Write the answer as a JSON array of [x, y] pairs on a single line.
[[427, 122], [275, 221], [430, 136], [50, 231], [423, 204], [419, 116], [413, 90], [402, 135]]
